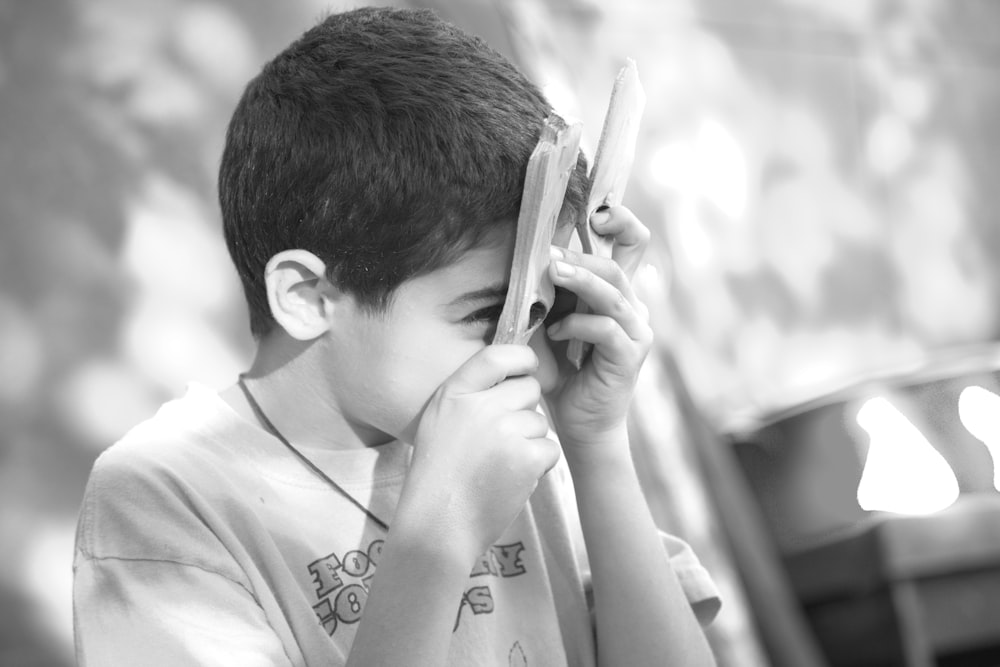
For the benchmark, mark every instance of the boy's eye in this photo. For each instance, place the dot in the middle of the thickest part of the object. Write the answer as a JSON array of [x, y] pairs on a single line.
[[491, 314], [487, 318], [488, 315]]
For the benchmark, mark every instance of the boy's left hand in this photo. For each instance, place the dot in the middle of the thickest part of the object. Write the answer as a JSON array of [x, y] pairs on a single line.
[[591, 405]]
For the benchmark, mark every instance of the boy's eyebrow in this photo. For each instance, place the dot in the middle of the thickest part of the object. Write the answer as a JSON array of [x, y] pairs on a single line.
[[491, 292]]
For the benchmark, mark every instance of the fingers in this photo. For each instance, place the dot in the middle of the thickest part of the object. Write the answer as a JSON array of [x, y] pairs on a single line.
[[603, 285], [517, 393], [533, 460], [528, 424], [605, 333], [630, 235], [490, 366], [547, 453]]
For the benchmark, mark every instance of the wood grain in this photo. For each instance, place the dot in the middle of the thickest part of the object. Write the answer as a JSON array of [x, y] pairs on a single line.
[[610, 173], [547, 176]]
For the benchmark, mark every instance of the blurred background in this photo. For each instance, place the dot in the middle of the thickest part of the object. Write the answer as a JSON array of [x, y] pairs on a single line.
[[821, 183]]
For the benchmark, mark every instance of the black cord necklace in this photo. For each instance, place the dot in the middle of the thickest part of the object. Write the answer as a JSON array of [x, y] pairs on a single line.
[[302, 457]]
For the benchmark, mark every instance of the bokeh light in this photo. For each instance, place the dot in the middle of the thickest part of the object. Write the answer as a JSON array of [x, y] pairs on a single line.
[[903, 472]]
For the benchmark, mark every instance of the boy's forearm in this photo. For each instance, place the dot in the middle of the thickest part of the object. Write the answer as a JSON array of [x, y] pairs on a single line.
[[478, 454], [411, 607], [642, 614]]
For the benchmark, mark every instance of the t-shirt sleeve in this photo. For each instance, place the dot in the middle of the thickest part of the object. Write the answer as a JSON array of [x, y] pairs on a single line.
[[695, 580], [149, 612], [698, 586], [153, 585]]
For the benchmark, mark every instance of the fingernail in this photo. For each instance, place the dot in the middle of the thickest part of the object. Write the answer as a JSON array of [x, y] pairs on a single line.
[[600, 217], [554, 329], [556, 252], [564, 269]]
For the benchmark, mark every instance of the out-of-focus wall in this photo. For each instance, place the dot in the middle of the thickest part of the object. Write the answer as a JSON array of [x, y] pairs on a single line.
[[818, 177], [826, 178], [115, 287]]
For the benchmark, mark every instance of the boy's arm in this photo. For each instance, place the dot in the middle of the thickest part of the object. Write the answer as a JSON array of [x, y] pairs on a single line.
[[456, 501], [411, 607], [642, 614]]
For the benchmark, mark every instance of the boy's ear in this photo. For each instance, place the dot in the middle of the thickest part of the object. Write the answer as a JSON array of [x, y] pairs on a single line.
[[299, 295]]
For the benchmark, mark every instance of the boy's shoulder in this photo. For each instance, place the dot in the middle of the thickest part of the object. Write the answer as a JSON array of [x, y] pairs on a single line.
[[147, 492], [182, 445], [181, 429]]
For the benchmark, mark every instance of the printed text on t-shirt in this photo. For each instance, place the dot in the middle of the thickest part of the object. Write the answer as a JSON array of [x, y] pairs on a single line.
[[341, 584]]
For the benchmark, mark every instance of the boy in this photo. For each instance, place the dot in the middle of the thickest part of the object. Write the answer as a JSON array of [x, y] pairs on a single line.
[[378, 489]]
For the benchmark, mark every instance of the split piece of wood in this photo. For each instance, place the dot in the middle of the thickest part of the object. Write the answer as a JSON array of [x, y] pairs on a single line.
[[610, 172], [547, 176]]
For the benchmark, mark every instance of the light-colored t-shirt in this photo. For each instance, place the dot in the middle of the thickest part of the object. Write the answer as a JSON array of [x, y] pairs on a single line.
[[203, 541]]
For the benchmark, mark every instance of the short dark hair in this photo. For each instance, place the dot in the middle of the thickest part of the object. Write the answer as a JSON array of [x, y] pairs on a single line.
[[385, 141]]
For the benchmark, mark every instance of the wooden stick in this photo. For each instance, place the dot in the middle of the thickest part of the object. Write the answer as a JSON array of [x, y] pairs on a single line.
[[545, 182], [610, 173]]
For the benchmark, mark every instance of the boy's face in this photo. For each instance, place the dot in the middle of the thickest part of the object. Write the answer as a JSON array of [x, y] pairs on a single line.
[[387, 366]]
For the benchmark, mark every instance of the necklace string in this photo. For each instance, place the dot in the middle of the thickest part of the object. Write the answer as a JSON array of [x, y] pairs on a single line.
[[269, 425]]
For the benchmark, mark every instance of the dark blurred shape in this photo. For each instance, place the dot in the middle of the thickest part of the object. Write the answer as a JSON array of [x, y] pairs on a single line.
[[905, 590], [881, 589], [21, 642]]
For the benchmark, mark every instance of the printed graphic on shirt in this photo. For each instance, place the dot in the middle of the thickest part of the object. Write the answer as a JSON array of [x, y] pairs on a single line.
[[500, 560], [341, 583], [516, 657]]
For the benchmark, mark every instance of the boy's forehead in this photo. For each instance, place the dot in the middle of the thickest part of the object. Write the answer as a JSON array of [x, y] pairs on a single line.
[[563, 232], [475, 274], [483, 271], [501, 239]]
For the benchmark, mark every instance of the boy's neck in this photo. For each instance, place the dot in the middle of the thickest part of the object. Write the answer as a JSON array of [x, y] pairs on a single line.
[[289, 382]]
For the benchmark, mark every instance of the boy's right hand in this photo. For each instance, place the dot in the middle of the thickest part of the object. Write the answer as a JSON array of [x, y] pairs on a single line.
[[479, 451]]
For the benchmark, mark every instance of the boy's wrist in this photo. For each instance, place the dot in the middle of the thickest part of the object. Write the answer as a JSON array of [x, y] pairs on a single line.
[[421, 527], [596, 450], [424, 537]]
